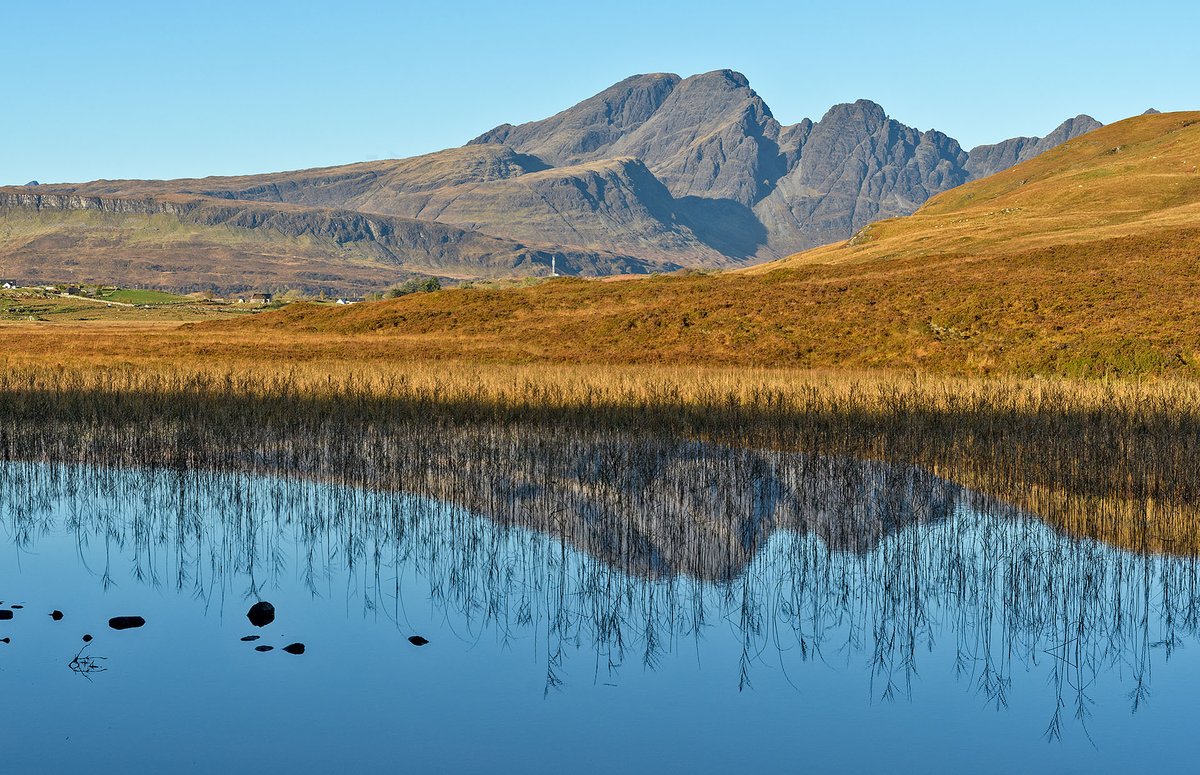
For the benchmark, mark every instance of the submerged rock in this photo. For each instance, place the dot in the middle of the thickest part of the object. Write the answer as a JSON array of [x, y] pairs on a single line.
[[417, 640], [56, 615], [87, 638], [261, 614], [126, 622], [5, 640], [16, 607], [294, 648], [5, 615], [264, 648], [250, 638]]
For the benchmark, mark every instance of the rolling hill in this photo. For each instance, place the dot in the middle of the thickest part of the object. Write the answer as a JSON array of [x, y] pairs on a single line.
[[1081, 261], [653, 174]]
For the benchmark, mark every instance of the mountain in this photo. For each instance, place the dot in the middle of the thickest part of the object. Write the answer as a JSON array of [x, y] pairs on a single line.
[[712, 137], [709, 135], [987, 160], [653, 174], [1081, 261]]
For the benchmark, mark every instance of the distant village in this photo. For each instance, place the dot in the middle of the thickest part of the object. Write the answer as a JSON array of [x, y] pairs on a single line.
[[31, 302], [113, 294]]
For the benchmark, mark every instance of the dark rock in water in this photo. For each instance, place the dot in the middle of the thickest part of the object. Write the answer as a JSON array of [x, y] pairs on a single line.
[[87, 638], [17, 607], [126, 622], [5, 640], [56, 615], [417, 640], [250, 638], [261, 614], [5, 615], [294, 648], [264, 649]]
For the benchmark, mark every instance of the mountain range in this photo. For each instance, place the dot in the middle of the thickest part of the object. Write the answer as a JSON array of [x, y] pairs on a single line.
[[1078, 262], [655, 173]]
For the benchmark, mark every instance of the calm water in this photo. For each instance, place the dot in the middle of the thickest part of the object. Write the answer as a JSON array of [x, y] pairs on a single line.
[[852, 617]]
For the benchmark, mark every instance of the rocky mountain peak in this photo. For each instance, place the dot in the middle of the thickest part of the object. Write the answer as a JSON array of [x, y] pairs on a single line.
[[710, 136], [588, 130], [987, 160]]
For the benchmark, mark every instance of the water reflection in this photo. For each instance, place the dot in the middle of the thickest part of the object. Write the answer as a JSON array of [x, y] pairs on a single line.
[[608, 556]]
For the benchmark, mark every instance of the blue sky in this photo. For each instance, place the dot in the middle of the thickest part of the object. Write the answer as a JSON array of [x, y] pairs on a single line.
[[140, 89]]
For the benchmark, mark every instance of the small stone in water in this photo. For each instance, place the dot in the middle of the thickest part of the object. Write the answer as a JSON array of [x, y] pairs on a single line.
[[56, 615], [261, 614], [417, 640], [249, 638], [264, 648], [5, 615], [17, 607], [126, 622], [87, 638], [5, 640], [294, 648]]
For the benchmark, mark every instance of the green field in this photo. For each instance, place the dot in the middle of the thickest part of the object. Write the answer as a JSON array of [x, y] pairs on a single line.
[[128, 296]]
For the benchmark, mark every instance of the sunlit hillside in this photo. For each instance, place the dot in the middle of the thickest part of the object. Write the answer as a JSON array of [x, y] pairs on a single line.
[[1081, 262]]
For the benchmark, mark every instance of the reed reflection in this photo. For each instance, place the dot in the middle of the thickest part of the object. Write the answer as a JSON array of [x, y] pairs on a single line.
[[604, 552]]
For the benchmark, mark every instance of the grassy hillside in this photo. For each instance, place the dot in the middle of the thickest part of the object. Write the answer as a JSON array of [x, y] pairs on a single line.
[[1081, 262]]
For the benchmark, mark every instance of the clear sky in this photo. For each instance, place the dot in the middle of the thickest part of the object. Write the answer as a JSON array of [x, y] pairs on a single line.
[[165, 89]]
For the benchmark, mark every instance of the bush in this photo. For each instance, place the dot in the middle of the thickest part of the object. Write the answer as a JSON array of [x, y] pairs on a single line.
[[415, 285]]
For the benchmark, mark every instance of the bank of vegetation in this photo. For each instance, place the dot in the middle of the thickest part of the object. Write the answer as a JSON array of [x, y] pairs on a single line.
[[1114, 460]]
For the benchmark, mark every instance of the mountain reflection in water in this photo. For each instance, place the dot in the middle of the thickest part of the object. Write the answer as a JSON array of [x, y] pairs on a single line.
[[606, 554]]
